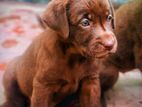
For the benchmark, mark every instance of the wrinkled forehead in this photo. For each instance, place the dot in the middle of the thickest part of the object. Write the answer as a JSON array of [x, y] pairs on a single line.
[[98, 7]]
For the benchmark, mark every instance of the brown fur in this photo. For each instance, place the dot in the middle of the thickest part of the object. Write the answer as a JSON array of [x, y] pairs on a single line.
[[129, 36], [63, 59]]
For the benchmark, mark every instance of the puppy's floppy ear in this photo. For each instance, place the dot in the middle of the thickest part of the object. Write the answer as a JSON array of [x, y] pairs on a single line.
[[112, 12], [55, 17], [40, 21]]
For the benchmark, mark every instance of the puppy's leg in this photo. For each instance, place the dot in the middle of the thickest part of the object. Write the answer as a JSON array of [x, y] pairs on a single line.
[[50, 95], [103, 99], [108, 77], [43, 95], [138, 56], [90, 92], [14, 97]]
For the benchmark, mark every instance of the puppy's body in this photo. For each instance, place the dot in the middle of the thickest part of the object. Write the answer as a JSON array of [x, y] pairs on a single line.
[[63, 59], [41, 63], [129, 36]]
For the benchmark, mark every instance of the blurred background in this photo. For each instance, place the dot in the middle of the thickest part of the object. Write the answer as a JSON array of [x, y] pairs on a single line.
[[45, 1], [19, 26]]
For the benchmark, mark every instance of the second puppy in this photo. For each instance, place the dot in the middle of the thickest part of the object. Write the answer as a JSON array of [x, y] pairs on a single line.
[[129, 35]]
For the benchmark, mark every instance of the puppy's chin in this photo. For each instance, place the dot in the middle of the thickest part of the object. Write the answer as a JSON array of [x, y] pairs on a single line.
[[93, 52], [97, 55], [97, 51], [102, 55]]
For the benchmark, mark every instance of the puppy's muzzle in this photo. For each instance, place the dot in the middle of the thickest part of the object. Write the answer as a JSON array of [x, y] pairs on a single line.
[[108, 40], [105, 44]]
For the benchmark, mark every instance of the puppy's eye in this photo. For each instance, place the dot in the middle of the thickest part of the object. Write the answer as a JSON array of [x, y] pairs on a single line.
[[85, 22], [109, 17]]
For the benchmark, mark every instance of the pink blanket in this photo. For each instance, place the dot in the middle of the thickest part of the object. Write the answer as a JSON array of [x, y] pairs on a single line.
[[17, 30]]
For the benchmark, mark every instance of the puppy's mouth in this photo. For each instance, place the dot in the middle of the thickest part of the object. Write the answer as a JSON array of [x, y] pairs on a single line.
[[98, 51], [101, 54]]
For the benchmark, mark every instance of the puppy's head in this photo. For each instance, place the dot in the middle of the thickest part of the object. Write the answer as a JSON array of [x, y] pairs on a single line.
[[87, 24]]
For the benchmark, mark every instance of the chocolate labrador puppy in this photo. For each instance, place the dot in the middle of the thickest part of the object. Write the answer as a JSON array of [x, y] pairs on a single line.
[[129, 35], [63, 59]]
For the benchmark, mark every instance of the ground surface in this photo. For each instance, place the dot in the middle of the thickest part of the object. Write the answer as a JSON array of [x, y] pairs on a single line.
[[128, 91]]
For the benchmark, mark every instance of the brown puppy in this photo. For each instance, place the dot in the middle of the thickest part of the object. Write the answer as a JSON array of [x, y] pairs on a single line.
[[129, 36], [63, 59]]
